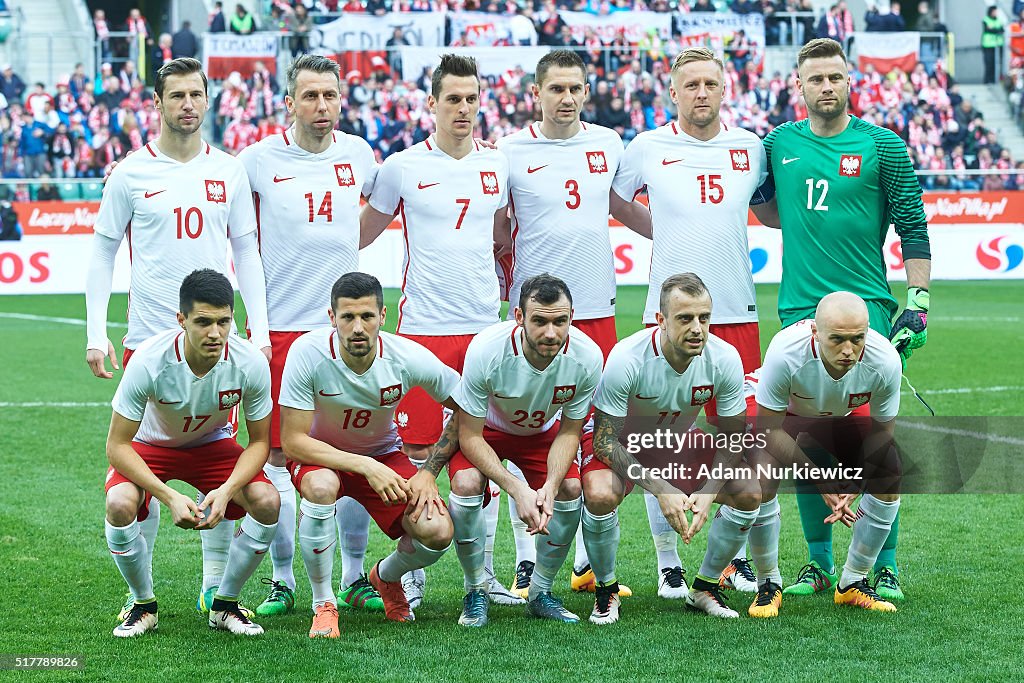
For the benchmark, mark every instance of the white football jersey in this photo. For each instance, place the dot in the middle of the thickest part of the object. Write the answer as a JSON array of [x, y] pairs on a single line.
[[500, 384], [355, 413], [558, 191], [699, 193], [178, 409], [447, 209], [640, 383], [307, 213], [794, 379], [178, 217]]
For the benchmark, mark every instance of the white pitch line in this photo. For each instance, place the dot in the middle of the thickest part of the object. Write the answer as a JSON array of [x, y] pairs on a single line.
[[965, 390], [52, 319], [961, 432], [56, 404], [976, 319]]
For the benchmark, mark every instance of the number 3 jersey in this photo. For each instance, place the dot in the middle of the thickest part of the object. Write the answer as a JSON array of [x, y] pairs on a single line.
[[178, 218], [352, 412], [307, 209], [447, 208], [699, 193], [178, 409]]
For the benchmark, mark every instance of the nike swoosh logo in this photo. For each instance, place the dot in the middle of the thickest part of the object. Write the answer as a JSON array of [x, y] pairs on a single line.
[[281, 180], [806, 398], [786, 161], [507, 398], [119, 552], [557, 545], [322, 393], [646, 398], [166, 403], [667, 162], [262, 552], [153, 194], [317, 551], [534, 170], [469, 542], [423, 186]]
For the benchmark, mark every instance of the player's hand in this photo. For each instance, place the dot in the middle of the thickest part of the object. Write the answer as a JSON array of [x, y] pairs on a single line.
[[268, 352], [910, 331], [392, 488], [840, 504], [674, 507], [423, 497], [700, 505], [529, 511], [97, 361], [216, 504], [486, 144], [184, 511], [110, 169]]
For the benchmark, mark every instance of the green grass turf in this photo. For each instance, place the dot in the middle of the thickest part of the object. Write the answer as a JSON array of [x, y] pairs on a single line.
[[958, 554]]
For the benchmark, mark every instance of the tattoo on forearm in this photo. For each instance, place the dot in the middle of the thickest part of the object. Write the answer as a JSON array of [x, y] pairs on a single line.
[[610, 451], [442, 451]]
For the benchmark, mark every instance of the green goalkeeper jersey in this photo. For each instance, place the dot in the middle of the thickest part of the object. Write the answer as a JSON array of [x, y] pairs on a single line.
[[837, 197]]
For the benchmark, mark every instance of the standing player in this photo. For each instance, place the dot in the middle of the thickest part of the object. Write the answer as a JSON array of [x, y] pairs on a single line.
[[306, 185], [339, 393], [521, 377], [451, 194], [178, 202], [840, 183], [579, 160], [817, 369], [170, 421], [662, 378], [701, 178]]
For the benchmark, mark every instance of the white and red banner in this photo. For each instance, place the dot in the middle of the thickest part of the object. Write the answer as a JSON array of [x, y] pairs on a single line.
[[491, 61], [227, 52], [370, 32], [977, 236], [635, 25], [719, 30], [887, 51]]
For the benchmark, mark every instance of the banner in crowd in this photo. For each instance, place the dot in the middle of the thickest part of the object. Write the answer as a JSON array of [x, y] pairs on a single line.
[[492, 61], [634, 25], [887, 51], [481, 28], [56, 218], [227, 52], [370, 32], [718, 30]]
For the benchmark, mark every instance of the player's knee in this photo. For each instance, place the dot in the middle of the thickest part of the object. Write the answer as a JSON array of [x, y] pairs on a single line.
[[570, 489], [435, 533], [320, 487], [600, 499], [746, 500], [887, 497], [122, 506], [468, 482], [416, 452], [264, 503]]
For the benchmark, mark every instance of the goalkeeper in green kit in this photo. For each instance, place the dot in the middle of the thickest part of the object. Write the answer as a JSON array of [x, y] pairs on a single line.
[[840, 182]]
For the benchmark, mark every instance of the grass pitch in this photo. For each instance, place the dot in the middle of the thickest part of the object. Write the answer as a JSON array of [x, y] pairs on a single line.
[[959, 555]]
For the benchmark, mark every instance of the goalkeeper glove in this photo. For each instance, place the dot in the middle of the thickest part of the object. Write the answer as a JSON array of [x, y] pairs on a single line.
[[910, 331]]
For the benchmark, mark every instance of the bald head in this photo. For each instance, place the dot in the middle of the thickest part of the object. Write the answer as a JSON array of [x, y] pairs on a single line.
[[841, 310]]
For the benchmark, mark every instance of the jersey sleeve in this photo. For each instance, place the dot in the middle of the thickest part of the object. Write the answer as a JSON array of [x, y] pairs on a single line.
[[428, 372], [242, 213], [473, 391], [372, 169], [256, 401], [729, 395], [903, 195], [506, 180], [765, 189], [616, 385], [249, 157], [629, 178], [116, 206], [885, 402], [579, 406], [297, 380], [133, 392], [387, 186], [775, 382]]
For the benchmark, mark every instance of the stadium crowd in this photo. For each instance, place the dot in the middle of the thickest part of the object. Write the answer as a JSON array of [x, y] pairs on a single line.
[[81, 124]]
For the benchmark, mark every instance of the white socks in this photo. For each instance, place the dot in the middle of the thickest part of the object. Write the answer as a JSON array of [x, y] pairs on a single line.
[[601, 535], [764, 542], [408, 556], [728, 533], [470, 538], [554, 548], [665, 537], [129, 549], [316, 539], [247, 551], [493, 493], [874, 520], [282, 550], [216, 545], [353, 523]]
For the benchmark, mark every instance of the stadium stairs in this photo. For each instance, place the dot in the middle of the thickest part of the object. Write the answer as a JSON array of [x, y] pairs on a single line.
[[990, 100], [30, 54]]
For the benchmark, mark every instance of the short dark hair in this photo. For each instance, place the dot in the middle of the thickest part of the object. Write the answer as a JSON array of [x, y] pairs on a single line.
[[688, 283], [206, 286], [819, 47], [356, 285], [453, 65], [316, 64], [182, 66], [545, 289], [566, 59]]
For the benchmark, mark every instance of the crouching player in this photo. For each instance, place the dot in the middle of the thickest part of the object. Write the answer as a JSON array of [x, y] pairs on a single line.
[[661, 378], [816, 372], [171, 420], [340, 388]]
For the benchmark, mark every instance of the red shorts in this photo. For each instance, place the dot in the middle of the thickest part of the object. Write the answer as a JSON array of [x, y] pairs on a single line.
[[746, 338], [601, 330], [387, 517], [423, 417], [205, 467], [692, 458], [126, 356], [529, 453], [280, 342]]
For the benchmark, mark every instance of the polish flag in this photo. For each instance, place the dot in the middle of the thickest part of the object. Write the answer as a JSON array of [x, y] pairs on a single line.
[[887, 51]]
